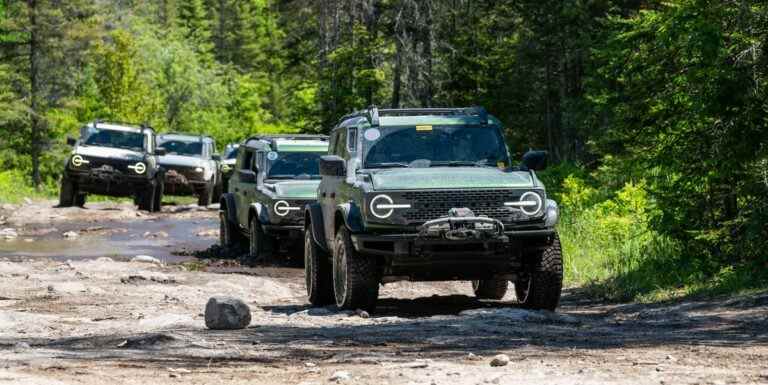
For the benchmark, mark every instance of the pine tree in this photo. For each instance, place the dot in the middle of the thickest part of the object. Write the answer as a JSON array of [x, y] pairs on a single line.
[[194, 22]]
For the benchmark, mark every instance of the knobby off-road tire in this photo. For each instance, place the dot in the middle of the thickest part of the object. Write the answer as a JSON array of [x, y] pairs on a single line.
[[317, 272], [541, 287], [67, 192], [229, 235], [147, 197], [355, 276], [490, 288], [205, 197], [218, 189], [259, 244]]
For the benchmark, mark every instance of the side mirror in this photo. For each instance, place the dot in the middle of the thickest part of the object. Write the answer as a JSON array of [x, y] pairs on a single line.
[[160, 151], [535, 160], [332, 165], [71, 141], [247, 176], [216, 157]]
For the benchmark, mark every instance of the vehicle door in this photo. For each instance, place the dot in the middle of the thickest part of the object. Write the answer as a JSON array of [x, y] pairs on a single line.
[[329, 186], [242, 183]]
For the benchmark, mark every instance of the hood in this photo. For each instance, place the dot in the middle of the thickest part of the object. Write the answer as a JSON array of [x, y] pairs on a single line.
[[304, 189], [180, 161], [449, 178], [109, 152]]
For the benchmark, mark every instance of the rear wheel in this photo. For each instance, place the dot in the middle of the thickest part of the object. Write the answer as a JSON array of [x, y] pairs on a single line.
[[67, 192], [80, 199], [490, 288], [317, 272], [355, 276], [541, 285]]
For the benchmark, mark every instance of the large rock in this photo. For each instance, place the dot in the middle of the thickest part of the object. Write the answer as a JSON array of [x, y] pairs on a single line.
[[227, 313]]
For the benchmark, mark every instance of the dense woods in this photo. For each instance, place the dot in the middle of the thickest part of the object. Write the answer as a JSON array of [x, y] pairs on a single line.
[[654, 112]]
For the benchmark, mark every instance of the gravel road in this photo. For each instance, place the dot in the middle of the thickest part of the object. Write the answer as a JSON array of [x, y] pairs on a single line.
[[77, 311]]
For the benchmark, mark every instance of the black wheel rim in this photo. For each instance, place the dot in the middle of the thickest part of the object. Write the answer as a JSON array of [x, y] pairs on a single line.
[[475, 286], [523, 288]]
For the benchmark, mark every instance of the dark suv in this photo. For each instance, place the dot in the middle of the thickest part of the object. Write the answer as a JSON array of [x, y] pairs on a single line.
[[429, 195], [116, 160], [274, 178]]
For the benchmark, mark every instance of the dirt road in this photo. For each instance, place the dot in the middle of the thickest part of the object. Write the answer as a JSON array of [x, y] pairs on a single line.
[[77, 312]]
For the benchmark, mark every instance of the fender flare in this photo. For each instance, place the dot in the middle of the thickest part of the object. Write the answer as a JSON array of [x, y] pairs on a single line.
[[353, 220], [313, 217], [261, 213], [228, 200]]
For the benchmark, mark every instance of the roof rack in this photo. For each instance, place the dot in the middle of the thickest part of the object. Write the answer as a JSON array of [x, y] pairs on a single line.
[[142, 126], [201, 136], [373, 113]]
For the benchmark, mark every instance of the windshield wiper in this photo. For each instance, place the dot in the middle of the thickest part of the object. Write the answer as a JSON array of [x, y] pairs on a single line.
[[282, 176], [388, 165]]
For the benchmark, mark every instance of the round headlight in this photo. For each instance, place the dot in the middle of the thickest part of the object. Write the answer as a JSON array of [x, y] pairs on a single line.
[[282, 208], [531, 203], [78, 161], [139, 168], [199, 169], [376, 206]]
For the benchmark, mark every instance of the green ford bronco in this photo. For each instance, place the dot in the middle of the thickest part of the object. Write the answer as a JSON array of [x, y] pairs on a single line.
[[274, 177], [429, 195]]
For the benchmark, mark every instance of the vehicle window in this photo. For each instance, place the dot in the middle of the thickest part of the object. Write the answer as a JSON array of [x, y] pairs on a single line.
[[352, 140], [247, 160], [294, 165], [436, 146], [116, 139], [341, 149], [231, 153], [180, 147], [334, 140]]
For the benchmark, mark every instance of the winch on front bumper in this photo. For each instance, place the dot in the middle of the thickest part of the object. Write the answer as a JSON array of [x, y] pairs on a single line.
[[459, 246]]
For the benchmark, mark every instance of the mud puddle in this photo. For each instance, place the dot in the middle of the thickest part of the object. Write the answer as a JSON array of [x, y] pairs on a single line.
[[117, 231]]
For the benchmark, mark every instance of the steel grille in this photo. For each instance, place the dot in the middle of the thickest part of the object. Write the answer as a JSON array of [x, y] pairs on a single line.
[[428, 205], [118, 165]]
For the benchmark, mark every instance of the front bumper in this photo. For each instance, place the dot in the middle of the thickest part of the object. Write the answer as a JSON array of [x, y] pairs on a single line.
[[411, 256], [104, 181], [183, 182]]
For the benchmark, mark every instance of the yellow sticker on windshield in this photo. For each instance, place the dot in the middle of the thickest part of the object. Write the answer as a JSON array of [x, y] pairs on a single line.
[[423, 128]]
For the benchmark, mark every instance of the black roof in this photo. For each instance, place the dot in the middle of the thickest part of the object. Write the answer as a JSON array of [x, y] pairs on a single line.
[[373, 113]]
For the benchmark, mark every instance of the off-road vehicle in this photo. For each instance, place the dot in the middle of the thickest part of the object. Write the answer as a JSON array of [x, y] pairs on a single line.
[[227, 165], [274, 178], [191, 166], [113, 159], [429, 195]]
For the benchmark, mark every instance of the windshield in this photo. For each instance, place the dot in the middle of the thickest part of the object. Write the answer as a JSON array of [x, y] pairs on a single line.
[[230, 153], [294, 165], [180, 147], [116, 139], [433, 146]]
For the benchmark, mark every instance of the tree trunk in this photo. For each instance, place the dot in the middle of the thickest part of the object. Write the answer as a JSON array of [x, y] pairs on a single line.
[[34, 93]]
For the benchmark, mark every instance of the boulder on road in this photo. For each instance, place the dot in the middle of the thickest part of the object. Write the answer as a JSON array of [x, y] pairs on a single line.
[[227, 313], [500, 360]]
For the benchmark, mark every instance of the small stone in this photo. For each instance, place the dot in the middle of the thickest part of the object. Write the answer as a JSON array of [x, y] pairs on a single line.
[[71, 235], [9, 233], [310, 364], [340, 376], [227, 313], [51, 289], [21, 346], [362, 313], [28, 201], [146, 259], [500, 360], [473, 357], [670, 358]]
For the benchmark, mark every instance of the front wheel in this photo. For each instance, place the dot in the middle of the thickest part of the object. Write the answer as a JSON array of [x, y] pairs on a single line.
[[67, 192], [355, 276], [229, 234], [206, 196], [539, 288], [490, 288], [317, 272], [258, 243]]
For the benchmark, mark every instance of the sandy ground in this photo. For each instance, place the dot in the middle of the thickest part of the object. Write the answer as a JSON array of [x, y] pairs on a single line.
[[105, 320]]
